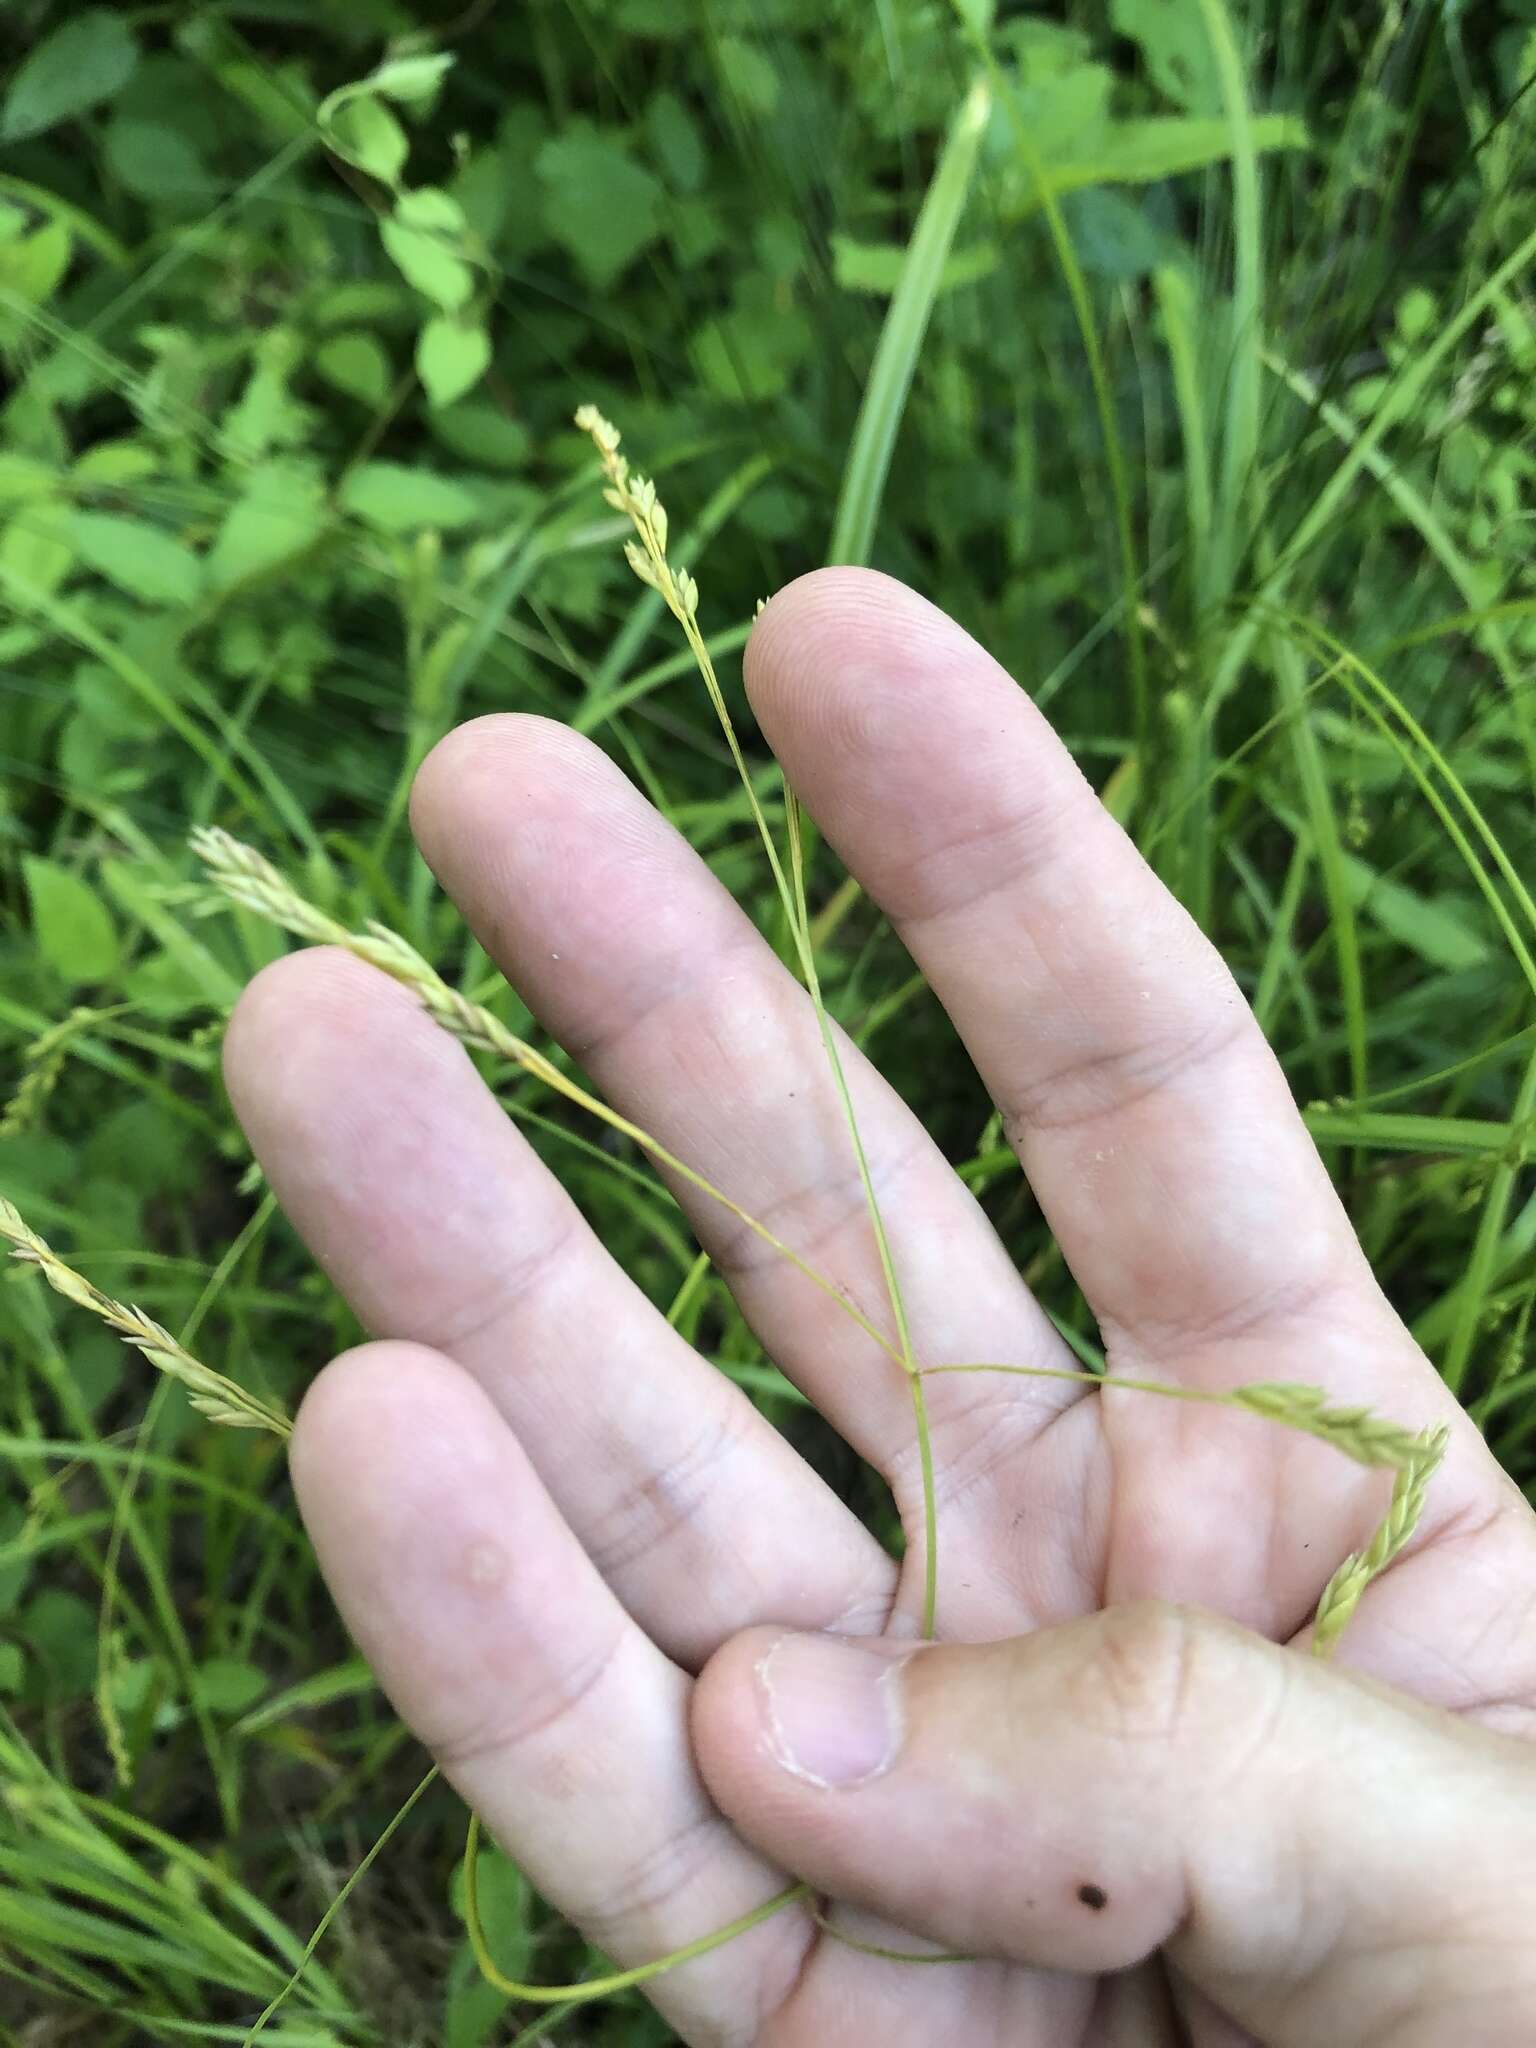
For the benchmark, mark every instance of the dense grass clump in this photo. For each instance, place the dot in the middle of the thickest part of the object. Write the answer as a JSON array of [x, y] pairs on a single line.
[[1184, 352]]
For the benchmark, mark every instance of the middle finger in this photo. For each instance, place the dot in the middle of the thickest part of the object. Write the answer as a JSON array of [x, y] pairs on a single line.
[[633, 955]]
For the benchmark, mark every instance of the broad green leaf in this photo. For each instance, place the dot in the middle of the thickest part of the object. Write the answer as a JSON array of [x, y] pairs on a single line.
[[73, 927], [1140, 152], [24, 478], [411, 78], [1145, 152], [134, 893], [281, 513], [1112, 235], [598, 202], [83, 62], [397, 498], [749, 74], [60, 1631], [33, 266], [752, 351], [226, 1685], [141, 559], [1062, 103], [141, 1143], [267, 415], [451, 358], [482, 433], [424, 237], [153, 160], [676, 142], [357, 364], [662, 19], [37, 549], [1177, 47], [114, 463], [1440, 932], [504, 1900], [369, 135], [876, 267]]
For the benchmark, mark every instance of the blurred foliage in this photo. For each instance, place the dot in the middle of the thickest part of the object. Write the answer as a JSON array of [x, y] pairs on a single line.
[[297, 298]]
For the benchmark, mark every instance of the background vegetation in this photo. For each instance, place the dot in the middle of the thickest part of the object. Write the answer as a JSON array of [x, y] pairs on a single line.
[[1219, 429]]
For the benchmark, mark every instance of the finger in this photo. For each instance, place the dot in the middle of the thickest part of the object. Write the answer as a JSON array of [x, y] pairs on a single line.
[[548, 1709], [1154, 1123], [438, 1222], [635, 957], [1150, 1778]]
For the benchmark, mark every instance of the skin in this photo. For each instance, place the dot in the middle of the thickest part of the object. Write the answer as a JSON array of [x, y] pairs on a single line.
[[585, 1569]]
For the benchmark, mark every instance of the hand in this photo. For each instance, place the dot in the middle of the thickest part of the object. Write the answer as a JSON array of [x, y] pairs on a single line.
[[540, 1511]]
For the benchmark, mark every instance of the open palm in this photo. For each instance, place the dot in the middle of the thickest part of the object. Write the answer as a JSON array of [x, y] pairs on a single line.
[[541, 1512]]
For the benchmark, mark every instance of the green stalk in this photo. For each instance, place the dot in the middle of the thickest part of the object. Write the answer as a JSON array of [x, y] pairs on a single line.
[[1082, 309], [901, 338]]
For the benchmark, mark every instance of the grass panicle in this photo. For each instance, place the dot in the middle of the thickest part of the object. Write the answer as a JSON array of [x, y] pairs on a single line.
[[211, 1394], [249, 879], [1360, 1434], [1341, 1595], [647, 556]]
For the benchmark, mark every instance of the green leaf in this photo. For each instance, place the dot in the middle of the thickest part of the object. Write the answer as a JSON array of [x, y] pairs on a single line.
[[1441, 932], [751, 351], [134, 893], [451, 358], [676, 142], [357, 364], [281, 513], [368, 134], [423, 238], [33, 266], [1177, 49], [85, 61], [598, 202], [226, 1685], [1112, 235], [1140, 152], [876, 267], [153, 160], [73, 927], [60, 1630], [1062, 102], [504, 1900], [396, 498], [411, 78], [140, 559], [23, 478], [114, 463], [37, 549], [483, 434], [749, 75]]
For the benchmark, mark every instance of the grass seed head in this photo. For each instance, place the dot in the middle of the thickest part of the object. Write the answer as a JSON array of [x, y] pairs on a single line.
[[211, 1394]]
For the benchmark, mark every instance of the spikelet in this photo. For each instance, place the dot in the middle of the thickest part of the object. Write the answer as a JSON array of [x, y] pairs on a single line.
[[635, 497], [41, 1065], [1367, 1438], [211, 1394], [1341, 1595]]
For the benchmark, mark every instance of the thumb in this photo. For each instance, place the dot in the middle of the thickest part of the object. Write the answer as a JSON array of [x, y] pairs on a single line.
[[1326, 1860]]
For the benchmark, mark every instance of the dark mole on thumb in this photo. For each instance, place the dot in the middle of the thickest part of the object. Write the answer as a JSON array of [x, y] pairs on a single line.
[[1093, 1895]]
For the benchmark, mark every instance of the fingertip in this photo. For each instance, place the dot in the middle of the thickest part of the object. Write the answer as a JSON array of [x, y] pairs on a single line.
[[506, 760], [292, 1007], [380, 1409]]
